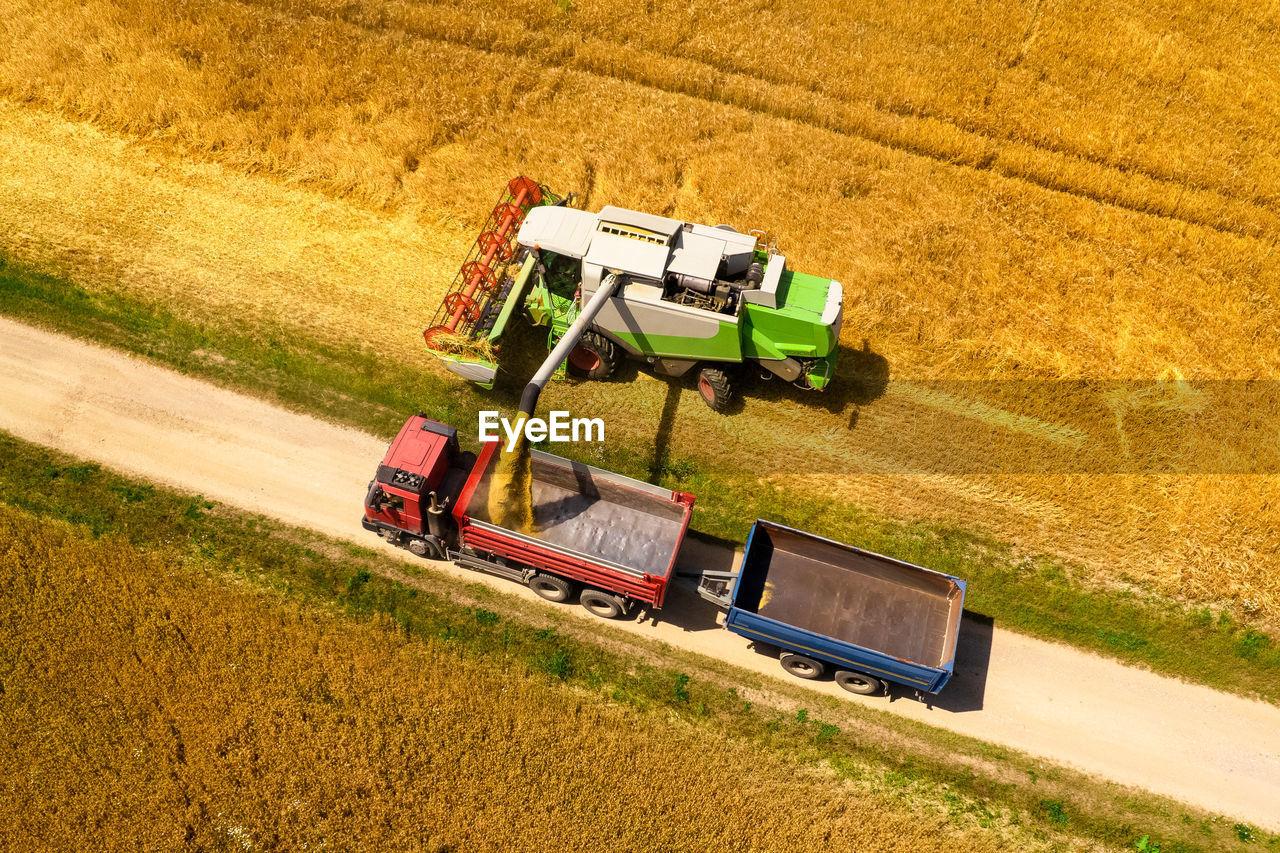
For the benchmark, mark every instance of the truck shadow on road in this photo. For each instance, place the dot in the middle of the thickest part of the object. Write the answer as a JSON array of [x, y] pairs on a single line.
[[968, 684]]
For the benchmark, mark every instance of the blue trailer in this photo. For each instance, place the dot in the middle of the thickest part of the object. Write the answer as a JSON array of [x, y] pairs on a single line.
[[832, 608]]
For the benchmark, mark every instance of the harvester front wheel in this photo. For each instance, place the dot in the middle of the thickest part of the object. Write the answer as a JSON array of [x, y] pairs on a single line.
[[716, 388], [595, 357]]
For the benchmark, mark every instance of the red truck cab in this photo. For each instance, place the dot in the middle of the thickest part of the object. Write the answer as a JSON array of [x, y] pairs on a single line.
[[422, 468]]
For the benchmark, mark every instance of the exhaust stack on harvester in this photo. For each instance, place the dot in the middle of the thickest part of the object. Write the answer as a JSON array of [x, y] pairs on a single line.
[[678, 295]]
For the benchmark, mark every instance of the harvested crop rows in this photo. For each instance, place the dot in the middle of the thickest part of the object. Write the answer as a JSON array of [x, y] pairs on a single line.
[[1006, 192]]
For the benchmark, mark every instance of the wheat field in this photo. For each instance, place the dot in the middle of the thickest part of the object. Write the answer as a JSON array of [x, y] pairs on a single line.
[[152, 703], [1039, 192]]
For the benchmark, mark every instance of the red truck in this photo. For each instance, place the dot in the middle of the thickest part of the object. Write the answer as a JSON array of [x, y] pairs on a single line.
[[609, 539]]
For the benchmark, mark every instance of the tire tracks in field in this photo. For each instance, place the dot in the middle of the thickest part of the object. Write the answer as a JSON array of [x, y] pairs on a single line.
[[814, 85], [913, 132]]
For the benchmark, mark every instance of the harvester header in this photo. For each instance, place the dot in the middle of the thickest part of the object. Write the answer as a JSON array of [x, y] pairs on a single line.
[[471, 314]]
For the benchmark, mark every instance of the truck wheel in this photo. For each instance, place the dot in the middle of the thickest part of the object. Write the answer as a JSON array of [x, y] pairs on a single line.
[[603, 604], [594, 357], [802, 667], [426, 548], [551, 587], [715, 388], [856, 682]]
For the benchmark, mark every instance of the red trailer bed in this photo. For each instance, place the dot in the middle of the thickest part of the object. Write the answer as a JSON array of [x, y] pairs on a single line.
[[602, 529]]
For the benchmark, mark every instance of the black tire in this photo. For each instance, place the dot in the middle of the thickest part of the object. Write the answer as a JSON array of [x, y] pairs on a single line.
[[552, 588], [428, 549], [802, 667], [715, 388], [603, 604], [595, 357], [856, 682]]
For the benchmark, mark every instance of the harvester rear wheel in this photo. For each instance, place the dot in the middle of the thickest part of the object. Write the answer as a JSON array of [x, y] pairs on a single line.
[[802, 667], [716, 388], [595, 357], [856, 682]]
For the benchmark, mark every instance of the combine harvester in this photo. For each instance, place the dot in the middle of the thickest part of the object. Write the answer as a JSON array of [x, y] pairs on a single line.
[[677, 295], [617, 544]]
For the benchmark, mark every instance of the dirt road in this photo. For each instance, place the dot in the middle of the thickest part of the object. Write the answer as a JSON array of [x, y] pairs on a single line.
[[1186, 741]]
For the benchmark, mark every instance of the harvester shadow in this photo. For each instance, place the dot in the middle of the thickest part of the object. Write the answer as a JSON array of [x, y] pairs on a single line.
[[662, 435], [968, 683], [862, 376]]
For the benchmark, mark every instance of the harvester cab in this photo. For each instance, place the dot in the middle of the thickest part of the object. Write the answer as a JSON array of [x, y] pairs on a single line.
[[416, 484], [680, 295]]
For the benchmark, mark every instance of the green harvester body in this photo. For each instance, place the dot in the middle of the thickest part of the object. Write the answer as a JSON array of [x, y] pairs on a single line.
[[683, 295]]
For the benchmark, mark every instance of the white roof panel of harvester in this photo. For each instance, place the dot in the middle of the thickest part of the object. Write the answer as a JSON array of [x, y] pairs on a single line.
[[563, 230], [625, 254]]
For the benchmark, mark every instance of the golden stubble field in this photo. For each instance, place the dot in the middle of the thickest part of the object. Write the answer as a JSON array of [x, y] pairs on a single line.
[[1037, 192], [146, 704]]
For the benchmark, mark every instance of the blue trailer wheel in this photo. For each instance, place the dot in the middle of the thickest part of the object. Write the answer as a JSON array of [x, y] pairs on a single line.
[[802, 667], [856, 682]]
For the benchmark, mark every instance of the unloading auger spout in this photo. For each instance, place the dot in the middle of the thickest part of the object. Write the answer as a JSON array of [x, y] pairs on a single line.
[[529, 399]]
